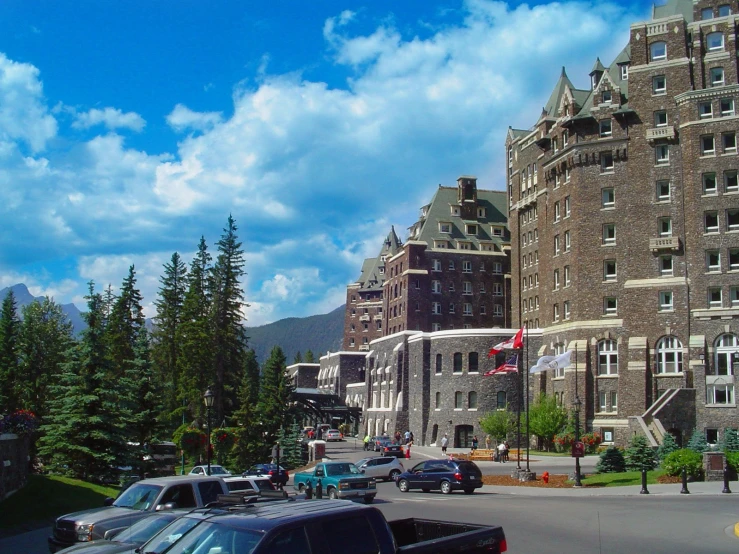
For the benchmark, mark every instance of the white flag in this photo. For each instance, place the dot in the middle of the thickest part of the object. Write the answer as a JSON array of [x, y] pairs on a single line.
[[552, 362]]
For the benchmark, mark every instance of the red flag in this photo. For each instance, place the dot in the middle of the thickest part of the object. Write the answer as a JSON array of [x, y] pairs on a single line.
[[509, 366], [516, 341]]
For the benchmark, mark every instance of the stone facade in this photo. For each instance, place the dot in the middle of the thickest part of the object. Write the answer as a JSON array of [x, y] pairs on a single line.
[[624, 196]]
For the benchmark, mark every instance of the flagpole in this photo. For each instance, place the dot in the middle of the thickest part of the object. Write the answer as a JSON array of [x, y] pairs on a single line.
[[528, 438], [519, 383]]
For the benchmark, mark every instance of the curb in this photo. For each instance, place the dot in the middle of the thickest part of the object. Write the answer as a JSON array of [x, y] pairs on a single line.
[[736, 529]]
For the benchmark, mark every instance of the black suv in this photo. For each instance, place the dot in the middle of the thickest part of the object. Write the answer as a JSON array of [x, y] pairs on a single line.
[[444, 475]]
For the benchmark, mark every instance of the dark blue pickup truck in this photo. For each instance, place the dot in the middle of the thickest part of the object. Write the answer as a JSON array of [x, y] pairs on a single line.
[[335, 526]]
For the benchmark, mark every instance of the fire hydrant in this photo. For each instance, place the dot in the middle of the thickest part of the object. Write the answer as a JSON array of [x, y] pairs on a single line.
[[545, 477]]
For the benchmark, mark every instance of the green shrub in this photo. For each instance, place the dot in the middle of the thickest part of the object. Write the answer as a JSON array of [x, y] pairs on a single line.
[[639, 455], [732, 458], [611, 461], [730, 441], [698, 443], [667, 447], [685, 458]]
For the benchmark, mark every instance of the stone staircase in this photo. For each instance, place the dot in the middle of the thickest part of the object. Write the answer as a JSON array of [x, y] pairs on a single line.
[[649, 423]]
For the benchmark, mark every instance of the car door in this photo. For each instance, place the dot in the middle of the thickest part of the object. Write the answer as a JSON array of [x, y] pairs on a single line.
[[416, 477], [319, 473], [370, 468], [433, 471]]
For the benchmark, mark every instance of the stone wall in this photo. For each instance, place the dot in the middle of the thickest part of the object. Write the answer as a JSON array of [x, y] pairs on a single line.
[[13, 463]]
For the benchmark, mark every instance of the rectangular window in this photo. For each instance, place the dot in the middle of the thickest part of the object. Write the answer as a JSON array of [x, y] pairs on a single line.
[[658, 51], [555, 312], [730, 181], [466, 288], [609, 233], [614, 401], [445, 227], [734, 296], [471, 229], [665, 227], [708, 145], [706, 13], [606, 96], [556, 212], [720, 394], [498, 310], [567, 206], [466, 267], [482, 288], [659, 85], [566, 309], [556, 245], [568, 241], [705, 110], [624, 72], [608, 198], [497, 289], [715, 42], [451, 308], [567, 276], [709, 183], [436, 287], [727, 106], [729, 142], [605, 128], [483, 310], [733, 259], [557, 179], [451, 265], [724, 10], [467, 309], [665, 265], [556, 279], [662, 154], [713, 261], [660, 118], [663, 190], [609, 270], [435, 265], [665, 301], [436, 327], [602, 401], [436, 308], [610, 305], [717, 76], [732, 220], [497, 268], [606, 162], [714, 297], [567, 174], [711, 222]]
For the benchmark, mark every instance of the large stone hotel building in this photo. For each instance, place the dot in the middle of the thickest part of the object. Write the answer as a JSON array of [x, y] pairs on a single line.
[[617, 238]]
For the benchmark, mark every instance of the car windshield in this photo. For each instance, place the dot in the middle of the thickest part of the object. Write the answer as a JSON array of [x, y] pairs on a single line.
[[341, 469], [217, 470], [362, 462], [138, 497], [169, 535], [212, 537], [144, 529]]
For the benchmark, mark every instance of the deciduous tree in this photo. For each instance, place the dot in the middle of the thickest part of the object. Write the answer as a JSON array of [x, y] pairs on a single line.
[[546, 418]]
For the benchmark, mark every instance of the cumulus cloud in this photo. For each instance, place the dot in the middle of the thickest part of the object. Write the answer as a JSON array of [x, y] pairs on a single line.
[[111, 118], [182, 118]]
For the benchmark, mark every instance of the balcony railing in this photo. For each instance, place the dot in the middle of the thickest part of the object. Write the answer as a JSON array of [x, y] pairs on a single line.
[[664, 243], [661, 133], [364, 318]]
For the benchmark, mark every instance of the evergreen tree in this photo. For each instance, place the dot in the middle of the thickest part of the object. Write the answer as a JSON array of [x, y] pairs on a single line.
[[126, 320], [46, 334], [84, 433], [250, 447], [275, 395], [639, 455], [309, 357], [298, 358], [229, 335], [611, 461], [108, 302], [698, 442], [289, 438], [667, 447], [169, 307], [730, 442], [546, 418], [9, 381]]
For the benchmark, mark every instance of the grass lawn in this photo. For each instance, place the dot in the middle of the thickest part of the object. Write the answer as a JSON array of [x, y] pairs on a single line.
[[544, 453], [620, 479], [45, 497]]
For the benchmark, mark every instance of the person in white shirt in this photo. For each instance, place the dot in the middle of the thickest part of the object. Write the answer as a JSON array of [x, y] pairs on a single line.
[[444, 443], [501, 453]]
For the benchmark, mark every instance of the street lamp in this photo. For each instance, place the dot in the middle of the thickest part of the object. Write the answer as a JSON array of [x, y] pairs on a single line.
[[208, 399], [577, 404]]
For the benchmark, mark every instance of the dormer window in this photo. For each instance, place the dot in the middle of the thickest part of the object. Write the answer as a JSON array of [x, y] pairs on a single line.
[[471, 229], [715, 42], [606, 96], [658, 51], [455, 210], [624, 72], [594, 81], [445, 227], [481, 212], [605, 128], [497, 231]]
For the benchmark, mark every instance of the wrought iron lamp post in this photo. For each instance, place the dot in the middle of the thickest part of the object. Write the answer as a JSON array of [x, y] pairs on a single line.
[[208, 399], [577, 404]]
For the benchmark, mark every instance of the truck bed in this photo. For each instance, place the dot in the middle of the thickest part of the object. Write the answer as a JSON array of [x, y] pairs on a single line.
[[417, 536]]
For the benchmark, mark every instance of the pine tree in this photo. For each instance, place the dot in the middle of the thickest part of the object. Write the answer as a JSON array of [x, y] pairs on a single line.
[[289, 438], [310, 357], [167, 321], [730, 442], [250, 447], [639, 455], [698, 442], [46, 334], [84, 433], [611, 461], [9, 380], [195, 337], [275, 395], [126, 319], [229, 335], [298, 358], [667, 447]]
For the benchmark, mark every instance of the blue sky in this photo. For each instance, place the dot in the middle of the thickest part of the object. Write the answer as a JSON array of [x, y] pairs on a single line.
[[128, 130]]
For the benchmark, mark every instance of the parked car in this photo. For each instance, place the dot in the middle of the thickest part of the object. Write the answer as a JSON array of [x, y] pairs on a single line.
[[383, 467], [330, 526], [333, 435], [338, 480], [392, 449], [278, 477], [249, 483], [214, 470], [133, 504], [444, 475], [382, 442]]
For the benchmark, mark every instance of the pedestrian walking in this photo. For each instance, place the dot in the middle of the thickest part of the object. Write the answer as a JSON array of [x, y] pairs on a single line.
[[444, 443], [366, 442], [507, 450], [501, 453], [407, 436], [474, 443], [487, 442], [408, 450], [410, 438]]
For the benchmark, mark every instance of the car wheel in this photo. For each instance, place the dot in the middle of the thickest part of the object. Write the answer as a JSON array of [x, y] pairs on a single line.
[[403, 485], [369, 499], [469, 491], [394, 474], [446, 487], [301, 487], [332, 494]]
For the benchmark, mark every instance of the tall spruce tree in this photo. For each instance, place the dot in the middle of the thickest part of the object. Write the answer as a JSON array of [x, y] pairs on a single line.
[[46, 334], [195, 336], [250, 447], [668, 446], [310, 357], [698, 442], [9, 379], [275, 395], [229, 335], [298, 358], [169, 307], [84, 433], [639, 455], [126, 319]]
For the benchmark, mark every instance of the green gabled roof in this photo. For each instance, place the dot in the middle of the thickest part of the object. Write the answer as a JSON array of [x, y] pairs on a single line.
[[674, 7], [517, 133], [371, 277], [495, 204], [552, 106], [598, 66]]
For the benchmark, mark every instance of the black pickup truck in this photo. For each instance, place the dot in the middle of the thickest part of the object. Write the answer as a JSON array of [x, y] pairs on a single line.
[[334, 526]]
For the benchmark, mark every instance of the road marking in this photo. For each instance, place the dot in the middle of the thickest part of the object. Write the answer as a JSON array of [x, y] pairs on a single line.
[[736, 529]]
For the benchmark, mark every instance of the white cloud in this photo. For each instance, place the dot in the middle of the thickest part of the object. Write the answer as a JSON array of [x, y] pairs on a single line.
[[111, 118], [182, 118]]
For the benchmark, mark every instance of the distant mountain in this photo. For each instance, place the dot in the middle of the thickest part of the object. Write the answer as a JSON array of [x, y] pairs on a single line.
[[318, 333], [23, 298]]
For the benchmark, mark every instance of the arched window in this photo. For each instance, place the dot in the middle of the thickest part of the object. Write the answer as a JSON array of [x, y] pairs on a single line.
[[725, 347], [502, 403], [472, 400], [457, 362], [437, 400], [669, 355], [458, 400], [607, 357], [472, 365], [658, 51], [438, 363]]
